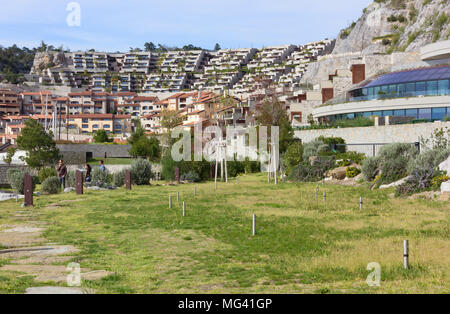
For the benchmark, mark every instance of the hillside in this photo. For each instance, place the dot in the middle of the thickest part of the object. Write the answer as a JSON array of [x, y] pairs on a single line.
[[396, 25]]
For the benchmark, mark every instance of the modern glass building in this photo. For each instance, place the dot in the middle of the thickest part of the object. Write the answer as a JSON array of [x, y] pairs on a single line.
[[419, 94]]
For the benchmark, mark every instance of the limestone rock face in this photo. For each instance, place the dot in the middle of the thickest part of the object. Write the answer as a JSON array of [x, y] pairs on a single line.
[[422, 26], [45, 60]]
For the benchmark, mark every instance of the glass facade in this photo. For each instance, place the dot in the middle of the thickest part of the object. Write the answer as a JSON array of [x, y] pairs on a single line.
[[425, 88], [432, 114]]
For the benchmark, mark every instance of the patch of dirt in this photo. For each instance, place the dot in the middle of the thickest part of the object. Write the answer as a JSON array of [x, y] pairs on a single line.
[[431, 195], [58, 290], [43, 260]]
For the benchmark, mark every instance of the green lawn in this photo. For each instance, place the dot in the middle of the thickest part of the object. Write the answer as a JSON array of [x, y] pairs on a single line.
[[302, 245], [111, 161]]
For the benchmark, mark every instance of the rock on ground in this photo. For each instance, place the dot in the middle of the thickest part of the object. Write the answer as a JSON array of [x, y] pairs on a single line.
[[445, 187], [394, 184]]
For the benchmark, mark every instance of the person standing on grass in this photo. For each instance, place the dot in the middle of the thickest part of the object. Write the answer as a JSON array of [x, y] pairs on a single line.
[[102, 166], [62, 173]]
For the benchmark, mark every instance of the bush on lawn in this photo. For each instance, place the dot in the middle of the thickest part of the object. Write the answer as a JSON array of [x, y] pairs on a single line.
[[100, 178], [293, 156], [71, 179], [141, 172], [190, 177], [16, 180], [51, 185], [307, 173], [45, 173], [119, 178]]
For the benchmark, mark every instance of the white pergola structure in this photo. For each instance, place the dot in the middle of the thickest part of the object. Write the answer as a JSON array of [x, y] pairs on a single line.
[[272, 169], [221, 158]]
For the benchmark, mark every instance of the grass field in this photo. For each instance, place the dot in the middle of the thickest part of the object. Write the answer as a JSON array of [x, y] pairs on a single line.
[[302, 245]]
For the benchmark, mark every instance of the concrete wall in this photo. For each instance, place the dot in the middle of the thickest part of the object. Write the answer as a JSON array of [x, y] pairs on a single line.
[[97, 150], [407, 133]]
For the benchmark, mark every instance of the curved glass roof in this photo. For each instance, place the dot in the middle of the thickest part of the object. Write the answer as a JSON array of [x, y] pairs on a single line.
[[425, 74]]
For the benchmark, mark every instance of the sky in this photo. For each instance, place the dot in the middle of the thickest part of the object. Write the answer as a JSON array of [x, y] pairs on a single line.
[[113, 25]]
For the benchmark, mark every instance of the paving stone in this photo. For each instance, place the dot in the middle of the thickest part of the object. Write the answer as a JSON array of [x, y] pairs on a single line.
[[14, 239], [37, 252]]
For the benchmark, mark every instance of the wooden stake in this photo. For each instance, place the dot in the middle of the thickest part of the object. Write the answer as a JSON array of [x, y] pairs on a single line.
[[360, 203], [170, 201], [184, 209]]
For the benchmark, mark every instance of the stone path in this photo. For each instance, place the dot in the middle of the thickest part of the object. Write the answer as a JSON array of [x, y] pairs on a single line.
[[28, 252]]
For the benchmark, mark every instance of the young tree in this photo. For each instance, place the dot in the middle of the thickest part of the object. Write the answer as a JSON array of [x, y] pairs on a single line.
[[272, 113], [170, 119], [40, 148], [101, 136], [142, 146], [149, 47], [9, 155], [217, 47]]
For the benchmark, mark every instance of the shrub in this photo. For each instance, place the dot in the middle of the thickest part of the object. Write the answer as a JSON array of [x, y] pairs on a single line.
[[355, 157], [100, 178], [419, 180], [235, 168], [45, 173], [392, 162], [352, 172], [343, 163], [251, 166], [141, 172], [332, 141], [304, 172], [71, 179], [370, 168], [293, 156], [191, 176], [428, 159], [437, 181], [119, 178], [16, 180], [314, 148], [51, 185]]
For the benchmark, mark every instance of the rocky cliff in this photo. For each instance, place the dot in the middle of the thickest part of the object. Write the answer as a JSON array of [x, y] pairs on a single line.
[[46, 60], [396, 25]]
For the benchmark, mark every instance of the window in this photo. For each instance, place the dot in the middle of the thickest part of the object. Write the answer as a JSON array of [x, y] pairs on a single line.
[[420, 88], [399, 113], [377, 113], [432, 87], [95, 126], [85, 126], [85, 120], [443, 87], [389, 113], [425, 113], [106, 126], [438, 113], [411, 113]]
